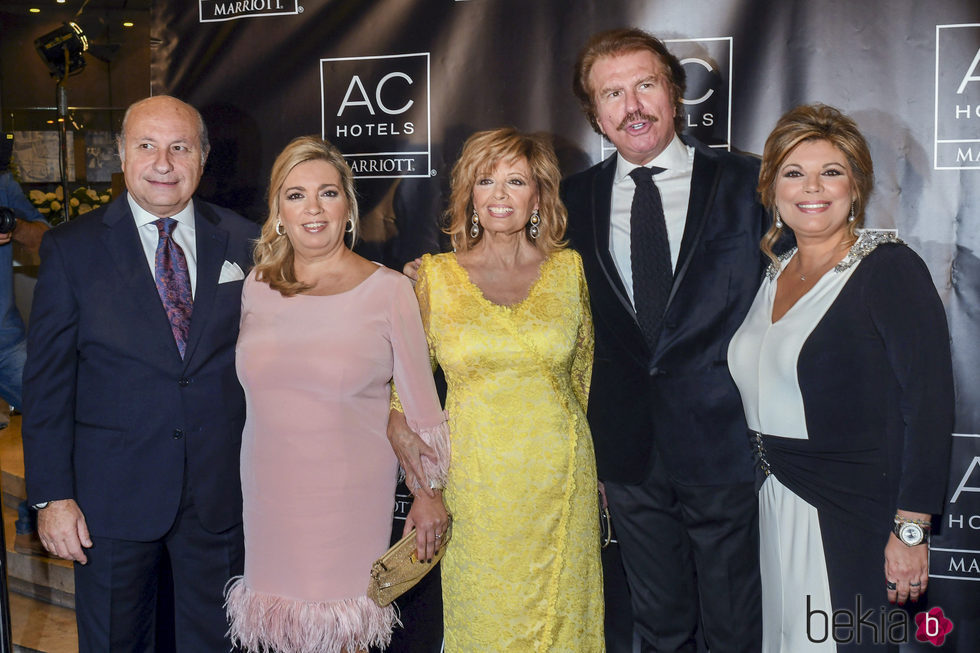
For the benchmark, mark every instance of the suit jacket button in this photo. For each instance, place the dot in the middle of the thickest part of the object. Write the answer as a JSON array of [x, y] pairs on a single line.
[[178, 434], [183, 383], [656, 371]]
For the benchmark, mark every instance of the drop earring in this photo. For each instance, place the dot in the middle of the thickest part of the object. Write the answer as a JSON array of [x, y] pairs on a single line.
[[475, 228], [279, 228], [779, 221], [533, 231], [851, 218]]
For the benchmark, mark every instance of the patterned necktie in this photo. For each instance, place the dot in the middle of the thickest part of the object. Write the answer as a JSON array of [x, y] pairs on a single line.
[[173, 282], [653, 274]]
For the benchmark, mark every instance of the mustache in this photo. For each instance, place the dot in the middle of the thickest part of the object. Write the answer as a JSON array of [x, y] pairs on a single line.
[[635, 117]]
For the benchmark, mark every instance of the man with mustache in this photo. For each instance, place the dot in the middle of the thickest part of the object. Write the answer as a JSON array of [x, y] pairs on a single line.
[[669, 233]]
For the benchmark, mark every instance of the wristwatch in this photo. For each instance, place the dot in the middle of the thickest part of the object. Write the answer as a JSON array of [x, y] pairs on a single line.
[[911, 532], [40, 506]]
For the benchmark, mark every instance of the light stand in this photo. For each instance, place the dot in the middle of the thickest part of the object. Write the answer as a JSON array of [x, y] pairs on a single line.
[[62, 99], [61, 49]]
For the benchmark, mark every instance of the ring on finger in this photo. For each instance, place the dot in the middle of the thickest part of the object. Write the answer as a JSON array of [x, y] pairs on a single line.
[[919, 584], [890, 586]]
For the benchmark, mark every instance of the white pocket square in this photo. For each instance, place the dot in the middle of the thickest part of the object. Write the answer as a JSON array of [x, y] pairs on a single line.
[[230, 272]]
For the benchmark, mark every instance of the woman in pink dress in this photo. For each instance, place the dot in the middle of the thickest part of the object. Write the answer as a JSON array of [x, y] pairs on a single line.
[[323, 334]]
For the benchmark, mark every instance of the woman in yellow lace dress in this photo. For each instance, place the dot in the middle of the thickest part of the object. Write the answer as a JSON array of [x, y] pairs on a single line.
[[507, 318]]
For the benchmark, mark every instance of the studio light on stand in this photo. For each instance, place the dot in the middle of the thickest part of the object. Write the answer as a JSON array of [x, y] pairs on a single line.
[[61, 50]]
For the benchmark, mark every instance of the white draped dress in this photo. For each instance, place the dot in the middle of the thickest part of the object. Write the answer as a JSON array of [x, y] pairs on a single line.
[[763, 359]]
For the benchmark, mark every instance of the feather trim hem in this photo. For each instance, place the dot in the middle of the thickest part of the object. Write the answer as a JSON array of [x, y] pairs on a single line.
[[266, 622], [437, 437]]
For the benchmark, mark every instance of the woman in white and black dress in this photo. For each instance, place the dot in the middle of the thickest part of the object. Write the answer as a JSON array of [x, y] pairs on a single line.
[[843, 363]]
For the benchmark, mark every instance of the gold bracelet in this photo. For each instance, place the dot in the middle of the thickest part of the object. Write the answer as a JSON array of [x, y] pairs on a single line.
[[924, 523]]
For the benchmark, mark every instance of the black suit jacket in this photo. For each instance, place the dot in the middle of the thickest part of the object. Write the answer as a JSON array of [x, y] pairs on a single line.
[[680, 398], [111, 411]]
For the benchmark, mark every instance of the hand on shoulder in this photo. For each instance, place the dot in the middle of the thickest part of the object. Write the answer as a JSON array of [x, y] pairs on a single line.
[[411, 269]]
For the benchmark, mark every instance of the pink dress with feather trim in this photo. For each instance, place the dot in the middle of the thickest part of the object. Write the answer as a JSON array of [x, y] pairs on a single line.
[[318, 474]]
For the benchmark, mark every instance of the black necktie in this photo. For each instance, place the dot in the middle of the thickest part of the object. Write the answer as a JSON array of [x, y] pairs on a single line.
[[653, 274]]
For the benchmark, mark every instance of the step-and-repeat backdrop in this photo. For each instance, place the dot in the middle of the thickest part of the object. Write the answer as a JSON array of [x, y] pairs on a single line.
[[399, 84]]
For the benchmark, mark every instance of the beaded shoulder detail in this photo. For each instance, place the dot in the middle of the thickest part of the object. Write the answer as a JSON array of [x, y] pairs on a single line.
[[867, 242], [772, 270]]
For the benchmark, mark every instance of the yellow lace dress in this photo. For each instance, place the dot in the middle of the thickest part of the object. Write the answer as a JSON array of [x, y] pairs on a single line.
[[523, 571]]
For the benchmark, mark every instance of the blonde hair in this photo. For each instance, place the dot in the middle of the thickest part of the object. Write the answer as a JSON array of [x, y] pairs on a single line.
[[273, 252], [815, 122], [481, 153]]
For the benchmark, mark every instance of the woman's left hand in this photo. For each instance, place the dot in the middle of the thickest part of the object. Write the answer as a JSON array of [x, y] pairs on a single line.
[[429, 518], [906, 566], [409, 448]]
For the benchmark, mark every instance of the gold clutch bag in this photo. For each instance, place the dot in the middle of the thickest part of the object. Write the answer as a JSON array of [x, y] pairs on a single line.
[[399, 569]]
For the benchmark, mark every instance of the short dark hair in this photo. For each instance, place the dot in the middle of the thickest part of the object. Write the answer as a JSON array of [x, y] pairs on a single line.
[[622, 41]]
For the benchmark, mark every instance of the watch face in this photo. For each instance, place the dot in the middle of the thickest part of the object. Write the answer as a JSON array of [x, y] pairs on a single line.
[[911, 534]]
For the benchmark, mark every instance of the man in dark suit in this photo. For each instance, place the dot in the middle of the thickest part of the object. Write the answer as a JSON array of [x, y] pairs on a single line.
[[133, 413], [672, 261]]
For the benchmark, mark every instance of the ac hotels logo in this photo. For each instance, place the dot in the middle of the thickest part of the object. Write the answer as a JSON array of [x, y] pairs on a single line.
[[376, 110], [957, 145]]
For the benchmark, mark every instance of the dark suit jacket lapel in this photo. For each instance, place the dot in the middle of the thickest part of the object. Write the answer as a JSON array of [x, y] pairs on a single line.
[[704, 183], [124, 248], [212, 242], [602, 185], [623, 323]]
